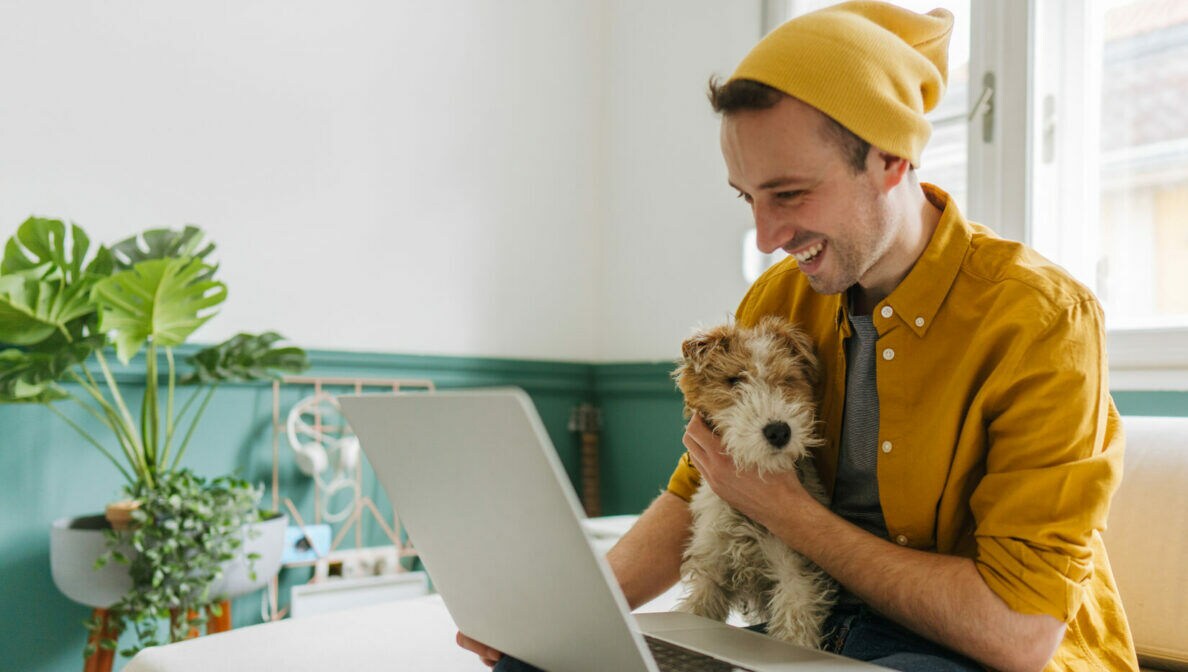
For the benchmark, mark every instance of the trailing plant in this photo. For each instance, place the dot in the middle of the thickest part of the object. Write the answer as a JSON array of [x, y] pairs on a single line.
[[183, 531]]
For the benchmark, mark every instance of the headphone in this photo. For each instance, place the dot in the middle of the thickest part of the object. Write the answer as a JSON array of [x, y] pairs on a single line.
[[314, 450]]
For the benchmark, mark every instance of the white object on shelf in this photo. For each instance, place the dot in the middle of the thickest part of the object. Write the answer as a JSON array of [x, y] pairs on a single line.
[[335, 594]]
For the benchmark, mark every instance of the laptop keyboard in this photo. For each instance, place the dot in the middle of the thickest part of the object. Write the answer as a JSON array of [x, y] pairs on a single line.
[[672, 658]]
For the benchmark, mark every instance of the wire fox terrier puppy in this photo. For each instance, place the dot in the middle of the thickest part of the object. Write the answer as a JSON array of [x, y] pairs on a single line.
[[754, 387]]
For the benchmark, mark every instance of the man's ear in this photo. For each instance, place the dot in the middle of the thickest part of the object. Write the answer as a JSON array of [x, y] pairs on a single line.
[[892, 169]]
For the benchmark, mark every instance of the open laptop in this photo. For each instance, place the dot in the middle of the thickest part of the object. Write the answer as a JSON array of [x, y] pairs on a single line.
[[484, 497]]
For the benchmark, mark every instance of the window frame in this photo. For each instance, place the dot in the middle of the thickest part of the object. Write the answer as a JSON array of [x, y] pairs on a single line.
[[1032, 141], [1012, 174]]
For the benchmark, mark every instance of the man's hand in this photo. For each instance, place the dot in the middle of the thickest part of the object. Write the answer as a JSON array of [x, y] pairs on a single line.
[[757, 497], [488, 655]]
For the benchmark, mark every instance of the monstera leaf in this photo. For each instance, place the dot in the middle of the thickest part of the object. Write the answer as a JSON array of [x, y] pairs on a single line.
[[162, 300], [41, 245], [164, 244], [44, 285], [245, 357], [28, 378], [32, 310], [29, 375]]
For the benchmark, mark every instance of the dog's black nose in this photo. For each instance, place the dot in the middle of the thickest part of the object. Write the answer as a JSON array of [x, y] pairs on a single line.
[[777, 433]]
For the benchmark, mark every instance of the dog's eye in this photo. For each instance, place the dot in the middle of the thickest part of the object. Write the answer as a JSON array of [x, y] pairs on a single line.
[[733, 381]]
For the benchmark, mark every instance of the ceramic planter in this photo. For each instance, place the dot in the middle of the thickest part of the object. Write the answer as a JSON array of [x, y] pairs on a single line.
[[269, 544], [75, 543]]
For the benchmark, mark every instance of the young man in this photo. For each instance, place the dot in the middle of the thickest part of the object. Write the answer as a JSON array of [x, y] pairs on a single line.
[[972, 446]]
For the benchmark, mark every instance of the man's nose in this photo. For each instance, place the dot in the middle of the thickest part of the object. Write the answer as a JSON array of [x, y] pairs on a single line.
[[771, 231]]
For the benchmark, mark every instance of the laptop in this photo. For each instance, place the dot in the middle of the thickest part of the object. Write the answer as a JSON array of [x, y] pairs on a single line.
[[485, 499]]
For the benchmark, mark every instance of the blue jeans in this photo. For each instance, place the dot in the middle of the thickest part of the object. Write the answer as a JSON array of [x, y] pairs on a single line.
[[857, 632]]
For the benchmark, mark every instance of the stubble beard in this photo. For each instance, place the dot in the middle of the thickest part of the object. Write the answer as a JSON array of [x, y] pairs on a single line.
[[852, 259]]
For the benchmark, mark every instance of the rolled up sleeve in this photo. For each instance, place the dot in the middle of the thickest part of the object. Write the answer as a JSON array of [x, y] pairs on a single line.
[[1054, 461], [685, 479]]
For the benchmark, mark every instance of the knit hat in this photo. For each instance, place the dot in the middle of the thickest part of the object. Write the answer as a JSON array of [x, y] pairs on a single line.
[[873, 67]]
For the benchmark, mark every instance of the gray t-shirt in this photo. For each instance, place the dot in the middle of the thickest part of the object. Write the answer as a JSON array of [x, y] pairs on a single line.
[[856, 492]]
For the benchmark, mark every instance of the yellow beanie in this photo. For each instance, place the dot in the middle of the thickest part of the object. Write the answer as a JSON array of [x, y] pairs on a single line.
[[874, 67]]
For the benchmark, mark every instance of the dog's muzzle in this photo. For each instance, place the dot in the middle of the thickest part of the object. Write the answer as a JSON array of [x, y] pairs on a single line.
[[777, 433]]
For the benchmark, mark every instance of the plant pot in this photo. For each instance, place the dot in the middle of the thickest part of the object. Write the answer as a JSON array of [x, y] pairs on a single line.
[[269, 544], [75, 544]]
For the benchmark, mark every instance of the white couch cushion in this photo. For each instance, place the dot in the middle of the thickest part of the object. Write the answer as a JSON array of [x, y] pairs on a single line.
[[1147, 539]]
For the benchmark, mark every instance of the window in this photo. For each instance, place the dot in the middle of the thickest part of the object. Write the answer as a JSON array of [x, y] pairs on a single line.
[[1110, 159], [1066, 126], [1135, 96]]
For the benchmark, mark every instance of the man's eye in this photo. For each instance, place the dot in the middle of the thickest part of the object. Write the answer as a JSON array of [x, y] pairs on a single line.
[[789, 195], [744, 197]]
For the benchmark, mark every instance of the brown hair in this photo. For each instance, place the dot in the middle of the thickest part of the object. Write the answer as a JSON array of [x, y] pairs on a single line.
[[747, 94]]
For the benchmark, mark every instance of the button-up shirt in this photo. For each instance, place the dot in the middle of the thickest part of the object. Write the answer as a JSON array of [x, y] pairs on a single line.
[[999, 440]]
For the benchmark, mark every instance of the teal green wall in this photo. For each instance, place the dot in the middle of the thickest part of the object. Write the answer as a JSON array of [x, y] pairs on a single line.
[[47, 472], [642, 424], [1152, 403]]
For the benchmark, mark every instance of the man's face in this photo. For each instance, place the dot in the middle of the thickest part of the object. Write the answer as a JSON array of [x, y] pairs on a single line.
[[805, 197]]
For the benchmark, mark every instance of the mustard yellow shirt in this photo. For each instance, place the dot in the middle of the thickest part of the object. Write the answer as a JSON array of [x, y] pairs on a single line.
[[998, 437]]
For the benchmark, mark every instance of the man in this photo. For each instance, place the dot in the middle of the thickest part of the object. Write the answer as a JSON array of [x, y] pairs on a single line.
[[971, 443]]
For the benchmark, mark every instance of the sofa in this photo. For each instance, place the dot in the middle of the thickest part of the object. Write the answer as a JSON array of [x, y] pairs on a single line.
[[1147, 539]]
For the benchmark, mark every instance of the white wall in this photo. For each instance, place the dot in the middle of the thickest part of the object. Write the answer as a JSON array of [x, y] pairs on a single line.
[[673, 230], [533, 179]]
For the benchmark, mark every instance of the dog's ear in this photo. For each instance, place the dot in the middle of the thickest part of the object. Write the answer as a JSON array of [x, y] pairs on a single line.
[[796, 341], [697, 347]]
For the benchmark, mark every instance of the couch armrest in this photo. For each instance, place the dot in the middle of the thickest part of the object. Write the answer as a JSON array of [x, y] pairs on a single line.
[[1147, 539]]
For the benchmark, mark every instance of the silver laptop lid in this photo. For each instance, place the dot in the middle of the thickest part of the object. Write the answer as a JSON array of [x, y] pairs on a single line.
[[485, 500]]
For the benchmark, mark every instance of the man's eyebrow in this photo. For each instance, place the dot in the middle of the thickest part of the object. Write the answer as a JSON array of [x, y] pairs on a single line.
[[777, 182]]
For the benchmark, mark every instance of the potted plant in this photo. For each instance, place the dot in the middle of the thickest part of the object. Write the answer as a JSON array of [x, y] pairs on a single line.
[[61, 308]]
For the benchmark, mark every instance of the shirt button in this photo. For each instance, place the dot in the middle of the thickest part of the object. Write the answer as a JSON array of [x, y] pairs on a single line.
[[888, 354], [887, 311], [901, 540], [886, 446], [919, 321]]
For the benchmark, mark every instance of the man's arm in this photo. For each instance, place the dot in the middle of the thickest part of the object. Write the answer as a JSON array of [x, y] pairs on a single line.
[[940, 597], [646, 561]]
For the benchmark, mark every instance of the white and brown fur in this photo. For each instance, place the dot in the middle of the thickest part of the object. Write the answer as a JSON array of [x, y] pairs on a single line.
[[755, 388]]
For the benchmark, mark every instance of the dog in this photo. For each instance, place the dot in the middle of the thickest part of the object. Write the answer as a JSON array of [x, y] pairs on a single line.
[[755, 388]]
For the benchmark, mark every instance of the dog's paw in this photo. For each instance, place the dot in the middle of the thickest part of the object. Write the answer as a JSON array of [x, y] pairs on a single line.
[[707, 603]]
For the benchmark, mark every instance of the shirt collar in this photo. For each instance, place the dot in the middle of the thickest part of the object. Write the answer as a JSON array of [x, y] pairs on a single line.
[[841, 313], [919, 296]]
